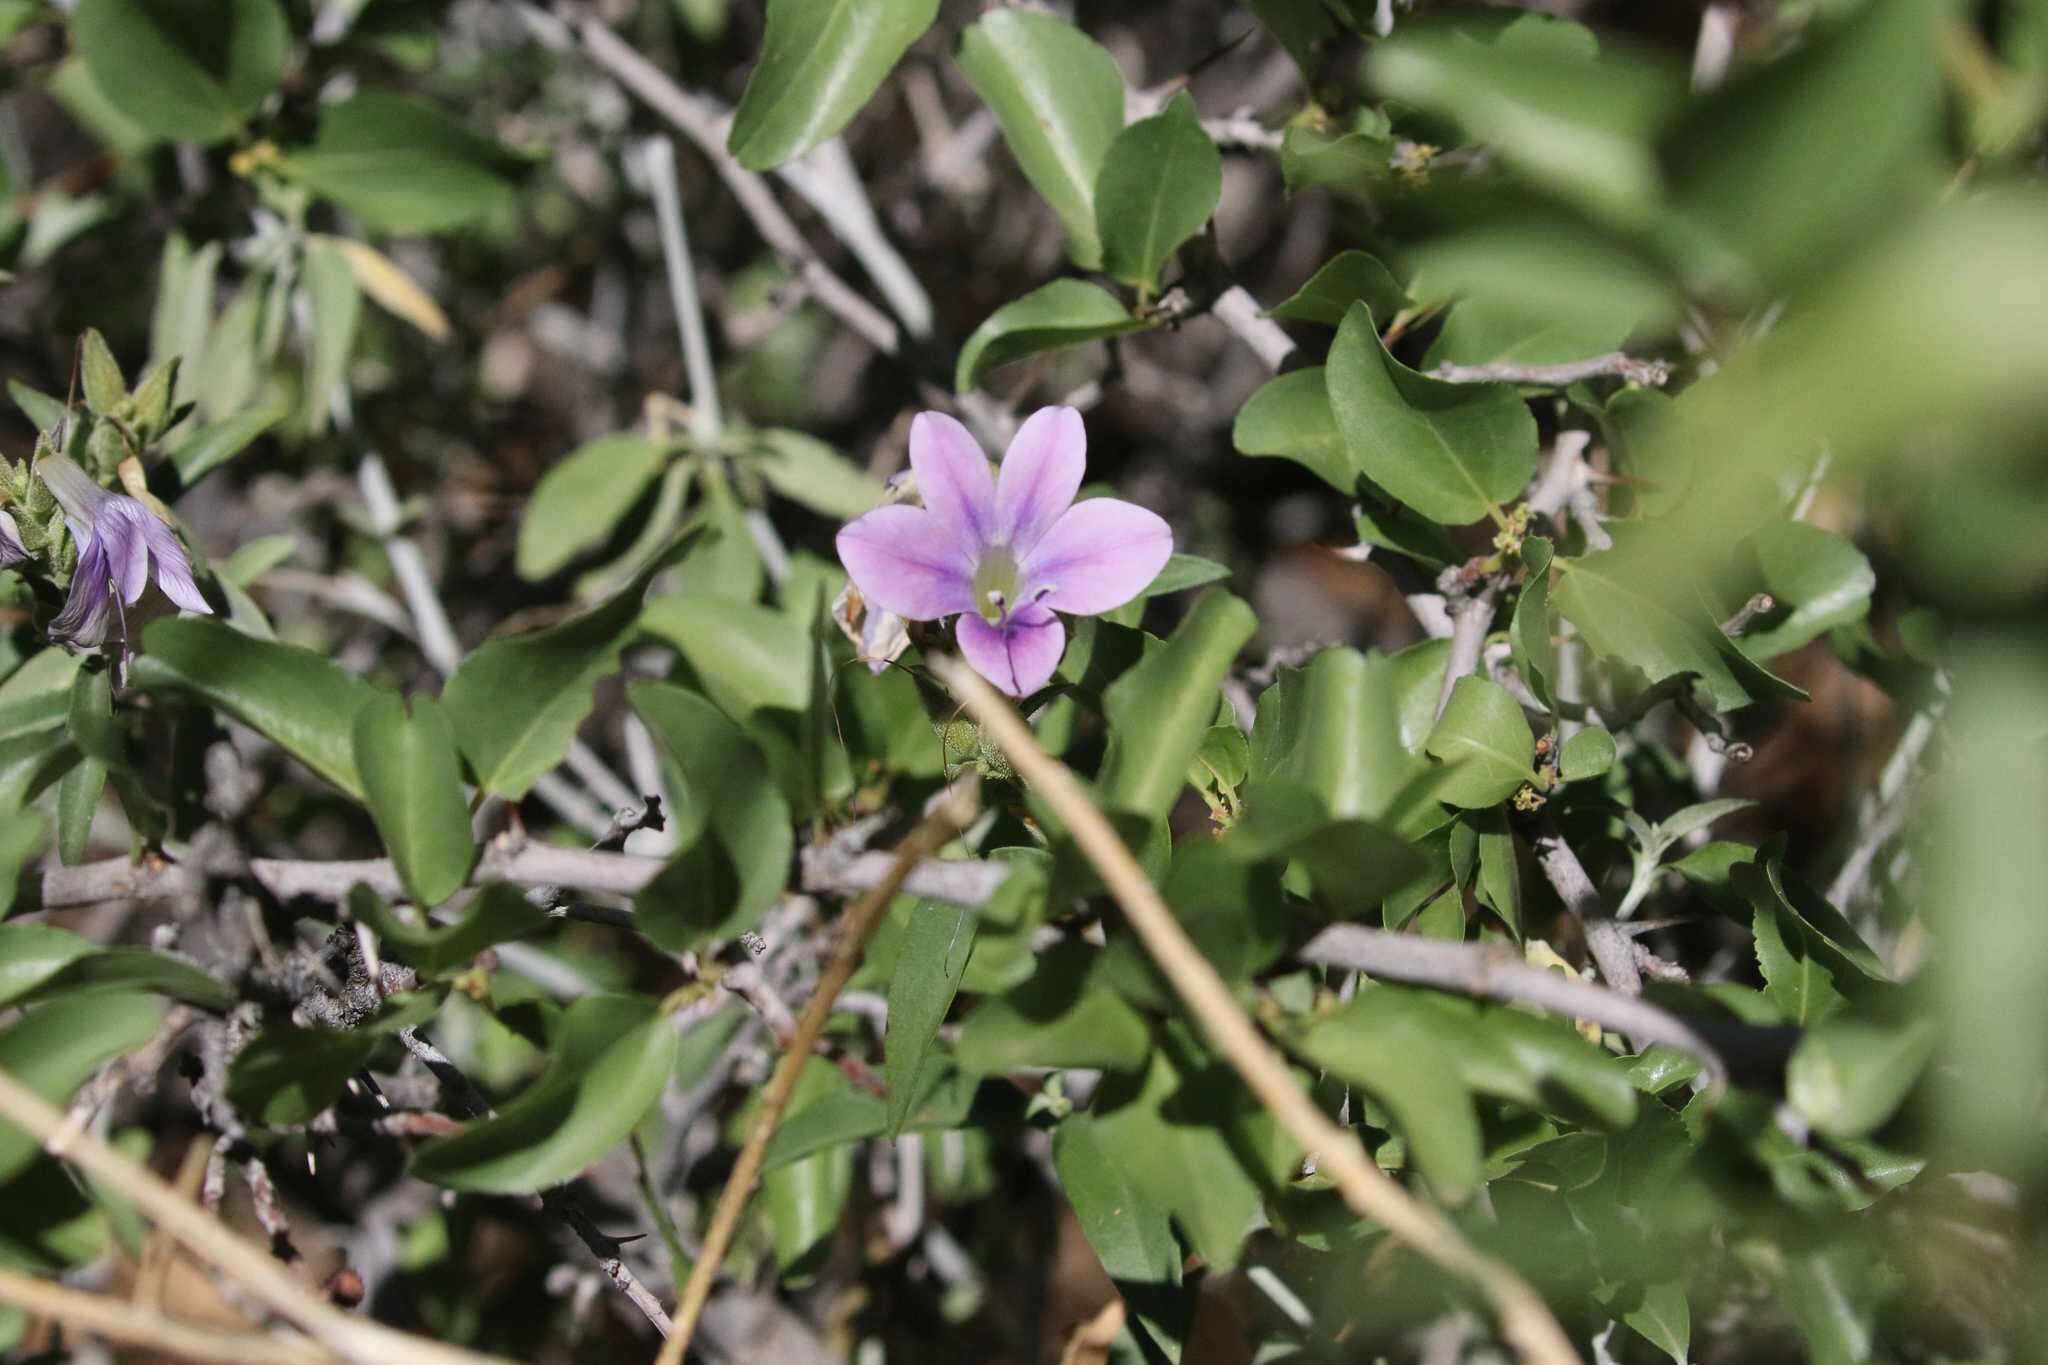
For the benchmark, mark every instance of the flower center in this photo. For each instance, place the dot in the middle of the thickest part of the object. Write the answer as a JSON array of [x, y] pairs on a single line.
[[995, 583]]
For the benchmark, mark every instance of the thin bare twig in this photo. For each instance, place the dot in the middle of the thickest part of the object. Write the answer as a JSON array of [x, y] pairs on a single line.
[[1240, 312], [658, 157], [106, 1317], [1526, 1321], [950, 815], [1613, 951]]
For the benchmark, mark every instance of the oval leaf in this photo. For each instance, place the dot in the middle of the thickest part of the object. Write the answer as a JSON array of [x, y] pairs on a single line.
[[413, 781], [820, 62], [578, 502], [187, 72], [1160, 181], [1050, 318], [1485, 738]]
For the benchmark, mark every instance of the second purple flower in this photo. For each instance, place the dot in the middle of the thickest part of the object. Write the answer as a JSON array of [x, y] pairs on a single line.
[[1006, 551]]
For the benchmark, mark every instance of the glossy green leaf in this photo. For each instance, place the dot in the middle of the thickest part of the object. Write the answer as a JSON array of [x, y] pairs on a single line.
[[610, 1060], [934, 953], [1130, 1235], [55, 1049], [1059, 99], [401, 164], [500, 913], [1050, 318], [1348, 277], [1161, 1130], [745, 656], [293, 697], [1484, 739], [1453, 452], [1500, 873], [1661, 1316], [22, 836], [37, 696], [801, 1202], [287, 1074], [731, 821], [1628, 610], [1533, 638], [32, 953], [1183, 572], [820, 62], [1349, 162], [78, 800], [1589, 753], [1818, 580], [581, 499], [189, 71], [1383, 1043], [1290, 417], [1848, 1076], [845, 1113], [412, 779], [517, 702], [1160, 711], [1059, 1018], [1159, 183]]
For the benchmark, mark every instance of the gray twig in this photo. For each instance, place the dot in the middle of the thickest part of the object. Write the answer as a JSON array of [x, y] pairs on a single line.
[[658, 156], [1613, 951], [1649, 373], [1240, 312]]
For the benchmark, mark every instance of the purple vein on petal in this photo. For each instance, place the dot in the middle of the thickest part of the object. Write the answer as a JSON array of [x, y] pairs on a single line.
[[903, 560], [1098, 556], [1040, 474], [953, 478], [1018, 656]]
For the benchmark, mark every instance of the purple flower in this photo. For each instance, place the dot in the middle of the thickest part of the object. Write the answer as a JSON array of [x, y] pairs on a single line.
[[117, 538], [11, 551], [1004, 552]]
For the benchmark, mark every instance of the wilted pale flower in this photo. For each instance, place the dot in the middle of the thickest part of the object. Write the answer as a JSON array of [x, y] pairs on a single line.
[[117, 538], [1004, 551]]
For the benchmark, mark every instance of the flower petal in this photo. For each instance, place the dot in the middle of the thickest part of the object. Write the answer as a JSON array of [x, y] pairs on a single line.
[[119, 531], [1017, 656], [84, 618], [953, 478], [73, 488], [1040, 474], [173, 569], [1099, 555], [11, 551], [903, 560]]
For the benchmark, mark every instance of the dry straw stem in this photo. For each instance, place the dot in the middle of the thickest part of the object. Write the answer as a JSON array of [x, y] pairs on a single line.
[[110, 1319], [1525, 1320], [951, 814], [255, 1270]]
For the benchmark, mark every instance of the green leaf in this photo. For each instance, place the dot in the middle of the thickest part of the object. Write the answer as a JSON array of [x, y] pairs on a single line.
[[31, 954], [1168, 1132], [105, 386], [413, 783], [732, 825], [1453, 452], [1824, 579], [1768, 199], [1576, 127], [129, 970], [1533, 637], [609, 1063], [517, 702], [1589, 753], [293, 697], [580, 500], [22, 837], [93, 727], [1160, 711], [1386, 1043], [1679, 824], [1059, 1018], [1849, 1075], [1290, 417], [1347, 162], [287, 1074], [78, 800], [53, 1050], [802, 1202], [499, 914], [1500, 871], [336, 306], [815, 475], [939, 1102], [1348, 277], [191, 70], [1050, 318], [214, 444], [401, 165], [1797, 978], [1159, 183], [1662, 1317], [1485, 739], [745, 656], [1130, 1235], [934, 953], [1183, 572], [821, 60], [1626, 605], [1059, 99]]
